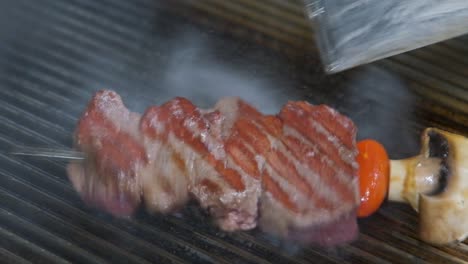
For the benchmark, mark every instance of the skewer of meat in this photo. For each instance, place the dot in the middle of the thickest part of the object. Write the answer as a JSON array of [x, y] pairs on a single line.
[[286, 173], [292, 174]]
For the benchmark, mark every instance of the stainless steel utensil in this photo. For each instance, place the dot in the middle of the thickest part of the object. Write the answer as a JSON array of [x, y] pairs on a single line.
[[354, 32]]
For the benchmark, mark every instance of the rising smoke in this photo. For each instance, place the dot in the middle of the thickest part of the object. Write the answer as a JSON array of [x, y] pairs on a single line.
[[381, 105], [194, 65], [195, 74], [193, 70]]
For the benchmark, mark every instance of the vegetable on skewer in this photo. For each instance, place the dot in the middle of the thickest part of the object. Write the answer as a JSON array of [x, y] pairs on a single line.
[[373, 176], [434, 183]]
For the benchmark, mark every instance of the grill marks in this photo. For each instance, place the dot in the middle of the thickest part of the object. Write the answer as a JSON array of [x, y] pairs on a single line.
[[122, 153], [231, 176], [315, 150], [117, 145], [328, 176], [183, 119], [107, 133], [299, 119], [243, 157], [235, 161], [343, 129], [274, 160], [109, 180], [309, 179], [171, 143], [251, 134], [277, 159], [274, 189], [281, 165], [228, 158]]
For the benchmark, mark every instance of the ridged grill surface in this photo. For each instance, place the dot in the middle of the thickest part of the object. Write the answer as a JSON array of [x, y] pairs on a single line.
[[55, 54]]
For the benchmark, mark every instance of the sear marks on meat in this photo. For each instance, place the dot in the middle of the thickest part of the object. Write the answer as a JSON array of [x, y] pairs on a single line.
[[310, 174], [109, 178], [294, 173], [227, 181], [195, 152], [173, 150]]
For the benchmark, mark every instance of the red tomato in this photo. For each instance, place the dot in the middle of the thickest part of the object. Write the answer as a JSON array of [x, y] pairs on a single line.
[[374, 170]]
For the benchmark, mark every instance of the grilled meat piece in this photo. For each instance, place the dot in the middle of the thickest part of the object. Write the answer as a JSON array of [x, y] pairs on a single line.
[[109, 178], [310, 175], [295, 172], [227, 180], [199, 153], [172, 150]]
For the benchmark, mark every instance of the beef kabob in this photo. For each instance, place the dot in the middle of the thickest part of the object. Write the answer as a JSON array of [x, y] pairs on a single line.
[[293, 174], [299, 174]]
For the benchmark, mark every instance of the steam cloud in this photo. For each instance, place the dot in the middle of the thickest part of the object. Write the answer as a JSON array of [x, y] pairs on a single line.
[[381, 105], [193, 70], [191, 64], [193, 73]]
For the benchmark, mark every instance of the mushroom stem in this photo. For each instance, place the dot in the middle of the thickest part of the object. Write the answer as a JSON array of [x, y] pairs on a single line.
[[402, 187], [398, 172], [411, 177]]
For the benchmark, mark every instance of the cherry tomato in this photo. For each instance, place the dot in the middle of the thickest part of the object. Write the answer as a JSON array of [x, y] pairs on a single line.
[[374, 170]]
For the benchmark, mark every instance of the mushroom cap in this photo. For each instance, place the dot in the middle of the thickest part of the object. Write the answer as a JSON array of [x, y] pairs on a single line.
[[444, 214]]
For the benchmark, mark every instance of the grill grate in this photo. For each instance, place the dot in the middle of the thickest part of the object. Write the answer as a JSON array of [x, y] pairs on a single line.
[[55, 54]]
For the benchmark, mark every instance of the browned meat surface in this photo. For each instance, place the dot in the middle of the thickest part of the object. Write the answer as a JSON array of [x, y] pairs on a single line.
[[196, 152], [172, 153], [310, 174], [109, 178], [227, 181], [295, 172]]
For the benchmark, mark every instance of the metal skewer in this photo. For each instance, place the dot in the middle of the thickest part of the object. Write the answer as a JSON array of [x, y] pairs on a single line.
[[47, 153]]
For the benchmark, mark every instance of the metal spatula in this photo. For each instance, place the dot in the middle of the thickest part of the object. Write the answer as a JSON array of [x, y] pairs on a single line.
[[355, 32]]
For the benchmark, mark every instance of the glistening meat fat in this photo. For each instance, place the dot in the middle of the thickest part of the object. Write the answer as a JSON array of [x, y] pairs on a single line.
[[293, 174]]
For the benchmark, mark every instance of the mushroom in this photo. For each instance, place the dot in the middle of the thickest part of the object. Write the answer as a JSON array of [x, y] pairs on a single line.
[[435, 184]]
